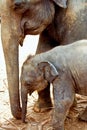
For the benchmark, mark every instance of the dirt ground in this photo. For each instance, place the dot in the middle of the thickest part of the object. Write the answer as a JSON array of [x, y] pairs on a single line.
[[36, 121]]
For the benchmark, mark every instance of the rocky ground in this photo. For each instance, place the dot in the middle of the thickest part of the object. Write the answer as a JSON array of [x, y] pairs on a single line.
[[36, 121]]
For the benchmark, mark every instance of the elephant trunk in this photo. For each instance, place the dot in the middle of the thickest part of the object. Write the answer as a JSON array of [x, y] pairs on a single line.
[[10, 37], [24, 102], [11, 60]]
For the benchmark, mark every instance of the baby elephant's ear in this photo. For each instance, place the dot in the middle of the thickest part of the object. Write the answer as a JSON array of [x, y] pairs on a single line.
[[49, 71], [61, 3]]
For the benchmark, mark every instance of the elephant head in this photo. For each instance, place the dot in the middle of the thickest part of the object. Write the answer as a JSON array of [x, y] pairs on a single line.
[[35, 78], [19, 4], [36, 14]]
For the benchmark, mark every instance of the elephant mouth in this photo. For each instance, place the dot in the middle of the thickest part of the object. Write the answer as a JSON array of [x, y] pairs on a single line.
[[31, 27], [34, 31], [37, 86]]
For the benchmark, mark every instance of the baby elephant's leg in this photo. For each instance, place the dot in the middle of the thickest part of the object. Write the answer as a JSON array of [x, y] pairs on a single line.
[[44, 101], [83, 115], [63, 100]]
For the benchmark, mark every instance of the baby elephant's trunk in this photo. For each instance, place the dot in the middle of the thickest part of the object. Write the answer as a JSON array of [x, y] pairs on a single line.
[[24, 103]]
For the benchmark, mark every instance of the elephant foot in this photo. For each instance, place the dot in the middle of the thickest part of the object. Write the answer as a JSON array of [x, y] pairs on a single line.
[[42, 106], [83, 115]]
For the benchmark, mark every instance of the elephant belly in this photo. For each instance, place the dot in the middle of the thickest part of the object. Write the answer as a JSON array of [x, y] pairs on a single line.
[[81, 84]]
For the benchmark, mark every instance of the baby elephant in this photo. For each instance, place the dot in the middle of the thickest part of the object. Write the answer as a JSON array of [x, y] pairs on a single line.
[[66, 68]]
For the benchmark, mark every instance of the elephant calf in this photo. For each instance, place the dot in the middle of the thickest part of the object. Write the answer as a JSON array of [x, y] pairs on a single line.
[[66, 68]]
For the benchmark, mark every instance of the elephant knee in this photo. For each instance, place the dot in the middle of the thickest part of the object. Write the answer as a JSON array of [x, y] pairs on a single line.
[[68, 102], [62, 107]]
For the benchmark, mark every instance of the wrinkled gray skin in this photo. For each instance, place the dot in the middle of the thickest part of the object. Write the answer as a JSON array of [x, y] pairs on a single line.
[[66, 71], [58, 22]]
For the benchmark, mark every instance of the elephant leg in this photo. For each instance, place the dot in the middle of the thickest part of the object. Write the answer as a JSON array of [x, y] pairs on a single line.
[[83, 115], [45, 43], [10, 41], [63, 99], [44, 101]]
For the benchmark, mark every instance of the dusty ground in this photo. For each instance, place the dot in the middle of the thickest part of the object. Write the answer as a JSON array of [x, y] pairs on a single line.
[[36, 121]]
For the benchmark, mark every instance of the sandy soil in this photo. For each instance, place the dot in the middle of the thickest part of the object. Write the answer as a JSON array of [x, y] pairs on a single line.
[[36, 121]]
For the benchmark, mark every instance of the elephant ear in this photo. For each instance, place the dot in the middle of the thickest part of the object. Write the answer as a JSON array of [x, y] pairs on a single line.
[[49, 71], [61, 3]]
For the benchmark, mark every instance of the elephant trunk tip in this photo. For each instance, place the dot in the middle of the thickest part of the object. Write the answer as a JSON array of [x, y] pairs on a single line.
[[17, 114]]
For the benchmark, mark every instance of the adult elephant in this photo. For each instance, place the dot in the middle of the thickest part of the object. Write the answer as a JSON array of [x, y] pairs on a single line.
[[57, 21]]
